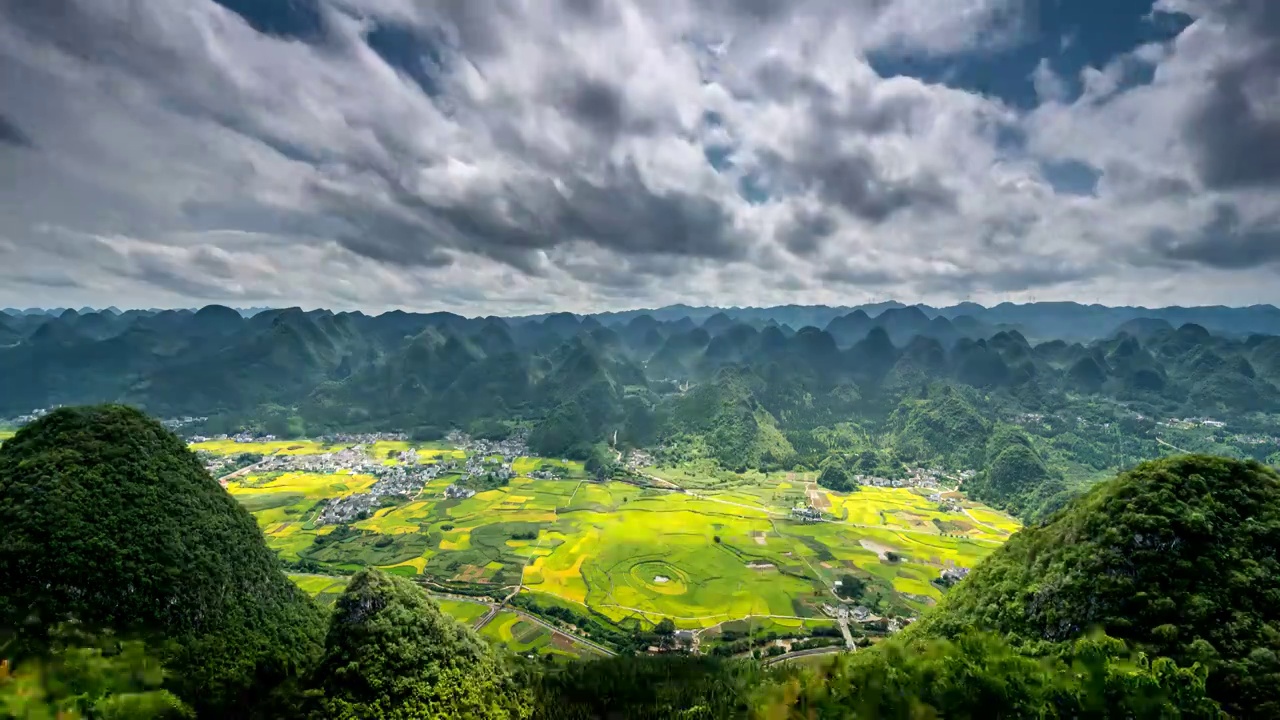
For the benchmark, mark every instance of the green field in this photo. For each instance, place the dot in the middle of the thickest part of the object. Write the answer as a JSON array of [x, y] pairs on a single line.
[[6, 434], [633, 555], [323, 588]]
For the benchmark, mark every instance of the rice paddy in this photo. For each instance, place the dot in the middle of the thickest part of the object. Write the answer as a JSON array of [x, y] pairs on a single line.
[[634, 555]]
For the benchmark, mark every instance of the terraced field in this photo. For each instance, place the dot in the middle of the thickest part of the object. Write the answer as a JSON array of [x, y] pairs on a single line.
[[633, 555]]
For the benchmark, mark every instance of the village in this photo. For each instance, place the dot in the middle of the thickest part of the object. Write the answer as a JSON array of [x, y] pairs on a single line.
[[929, 478], [395, 482]]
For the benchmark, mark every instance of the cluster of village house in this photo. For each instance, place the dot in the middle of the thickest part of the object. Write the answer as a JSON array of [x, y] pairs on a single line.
[[932, 478], [401, 481], [928, 478], [638, 459]]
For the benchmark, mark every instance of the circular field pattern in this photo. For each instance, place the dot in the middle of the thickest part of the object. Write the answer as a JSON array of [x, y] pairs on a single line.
[[660, 577]]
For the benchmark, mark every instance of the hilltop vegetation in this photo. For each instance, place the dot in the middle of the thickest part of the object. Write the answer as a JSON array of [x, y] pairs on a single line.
[[1178, 557], [111, 522], [390, 653]]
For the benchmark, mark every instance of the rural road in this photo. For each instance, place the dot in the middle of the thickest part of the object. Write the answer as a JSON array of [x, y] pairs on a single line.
[[243, 470], [576, 638], [830, 650], [1170, 445]]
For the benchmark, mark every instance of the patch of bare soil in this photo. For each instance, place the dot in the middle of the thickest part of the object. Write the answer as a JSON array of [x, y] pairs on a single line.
[[880, 550]]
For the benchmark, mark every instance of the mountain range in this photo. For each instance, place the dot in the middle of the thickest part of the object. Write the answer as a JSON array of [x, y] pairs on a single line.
[[899, 388], [1037, 320]]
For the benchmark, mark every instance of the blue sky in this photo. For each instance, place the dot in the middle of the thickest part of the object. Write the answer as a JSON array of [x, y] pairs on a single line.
[[511, 156]]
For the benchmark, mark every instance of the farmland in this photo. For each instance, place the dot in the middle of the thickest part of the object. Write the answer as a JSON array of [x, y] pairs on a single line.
[[273, 447], [630, 554]]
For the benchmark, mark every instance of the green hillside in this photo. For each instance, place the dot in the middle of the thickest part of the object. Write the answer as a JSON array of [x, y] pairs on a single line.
[[110, 522], [390, 653], [1178, 557]]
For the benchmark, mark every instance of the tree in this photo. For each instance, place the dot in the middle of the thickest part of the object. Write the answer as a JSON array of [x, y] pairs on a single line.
[[834, 475], [1178, 557], [86, 677], [851, 587], [111, 521], [390, 653], [982, 676]]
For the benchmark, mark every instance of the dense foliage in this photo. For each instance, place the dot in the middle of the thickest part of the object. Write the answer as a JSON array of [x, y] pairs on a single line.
[[390, 653], [647, 688], [982, 676], [1178, 557], [85, 677], [110, 521]]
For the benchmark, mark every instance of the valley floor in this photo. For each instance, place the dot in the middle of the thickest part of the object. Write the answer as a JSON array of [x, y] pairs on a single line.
[[630, 553]]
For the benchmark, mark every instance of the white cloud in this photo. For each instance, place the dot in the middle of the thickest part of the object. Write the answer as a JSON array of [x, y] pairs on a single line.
[[509, 157]]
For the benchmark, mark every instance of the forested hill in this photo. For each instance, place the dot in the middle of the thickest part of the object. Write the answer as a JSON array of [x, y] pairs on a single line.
[[1179, 557], [340, 369], [867, 393], [134, 587]]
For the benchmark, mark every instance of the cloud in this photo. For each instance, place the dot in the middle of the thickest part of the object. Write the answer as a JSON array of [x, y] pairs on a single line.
[[513, 156], [1225, 241], [1234, 124], [11, 134]]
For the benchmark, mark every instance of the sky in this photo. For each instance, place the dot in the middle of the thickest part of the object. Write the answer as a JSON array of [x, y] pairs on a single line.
[[521, 156]]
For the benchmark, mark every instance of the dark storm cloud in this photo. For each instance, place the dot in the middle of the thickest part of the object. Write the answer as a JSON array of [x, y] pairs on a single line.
[[11, 134], [619, 212], [849, 273], [1234, 130], [1226, 242]]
